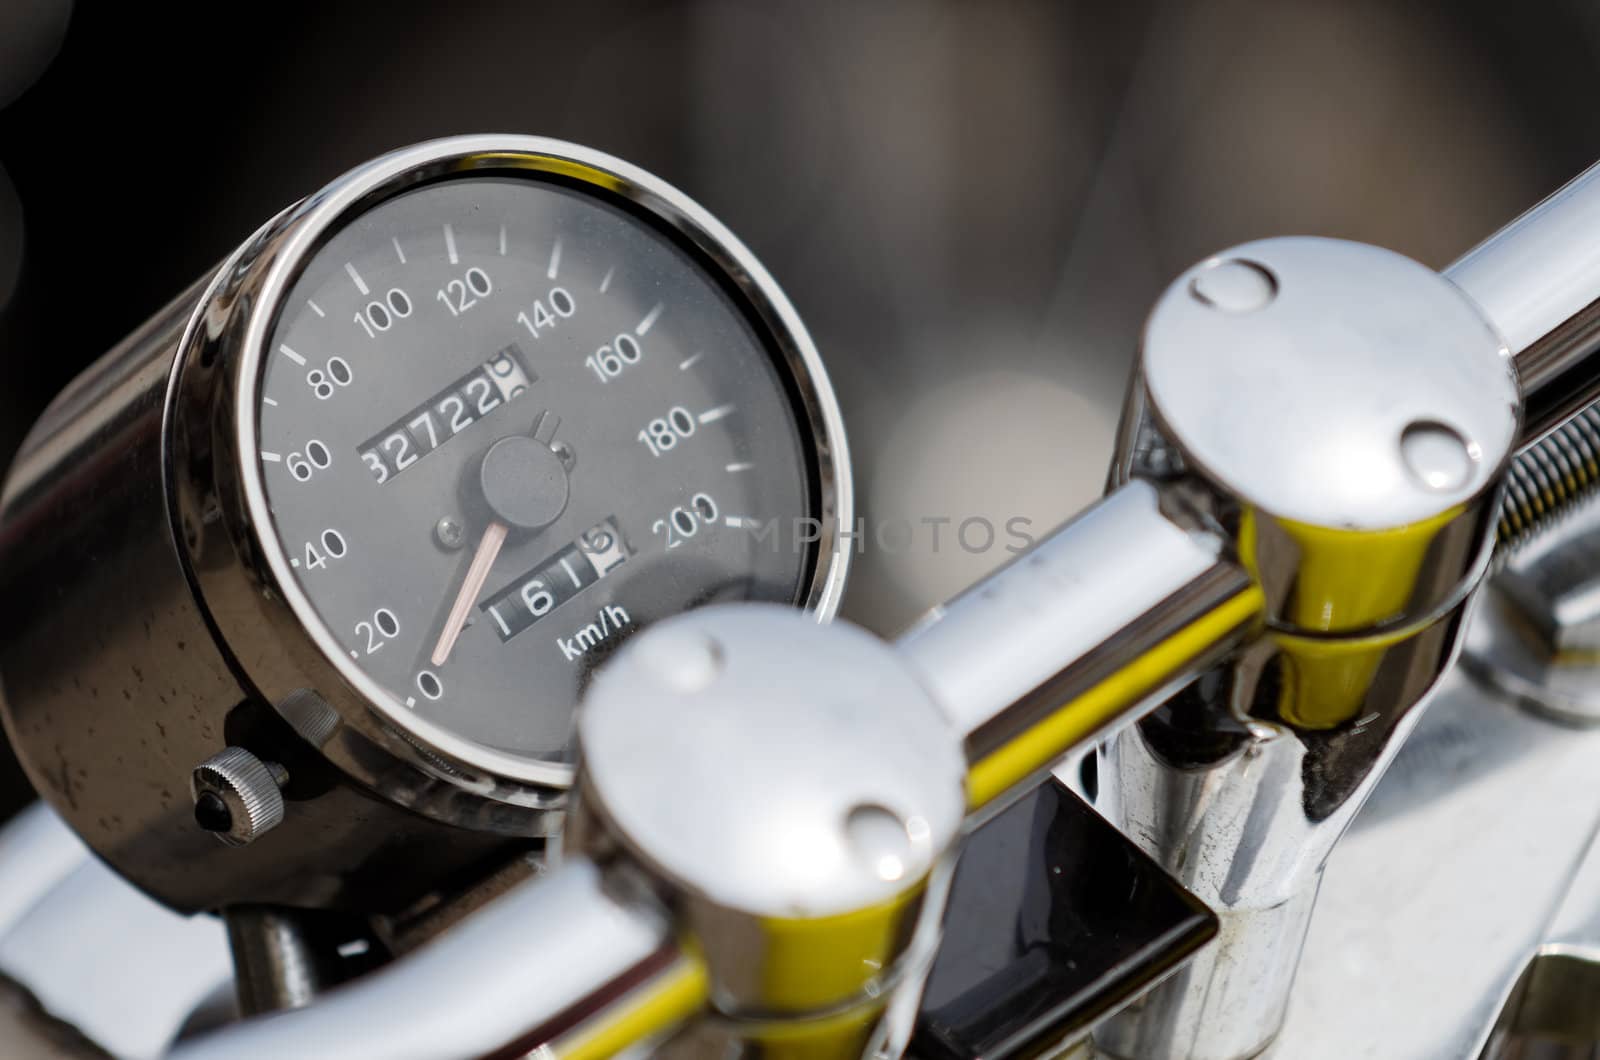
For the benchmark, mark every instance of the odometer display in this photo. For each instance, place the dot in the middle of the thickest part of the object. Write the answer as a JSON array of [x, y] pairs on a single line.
[[505, 422], [421, 430]]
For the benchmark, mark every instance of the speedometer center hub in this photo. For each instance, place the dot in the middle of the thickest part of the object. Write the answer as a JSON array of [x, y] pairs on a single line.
[[524, 482]]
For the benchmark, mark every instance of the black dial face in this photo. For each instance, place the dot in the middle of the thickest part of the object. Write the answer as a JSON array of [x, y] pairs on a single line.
[[503, 424]]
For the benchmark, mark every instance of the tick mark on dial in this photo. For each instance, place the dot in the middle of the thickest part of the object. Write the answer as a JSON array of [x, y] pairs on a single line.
[[450, 245], [274, 457], [355, 277], [605, 281], [736, 468], [713, 415], [649, 320], [555, 261], [269, 401], [397, 253], [315, 308], [688, 364], [295, 357]]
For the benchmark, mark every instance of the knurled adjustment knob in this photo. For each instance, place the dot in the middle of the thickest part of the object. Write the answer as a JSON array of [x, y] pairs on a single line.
[[237, 796]]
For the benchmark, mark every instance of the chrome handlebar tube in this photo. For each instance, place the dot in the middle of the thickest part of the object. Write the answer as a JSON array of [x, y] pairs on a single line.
[[767, 810], [1043, 657], [596, 966], [1538, 281]]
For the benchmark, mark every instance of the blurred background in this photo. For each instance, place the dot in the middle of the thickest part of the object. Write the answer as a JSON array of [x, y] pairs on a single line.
[[972, 204]]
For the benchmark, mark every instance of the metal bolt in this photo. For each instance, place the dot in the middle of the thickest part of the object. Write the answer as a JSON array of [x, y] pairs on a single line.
[[1234, 286], [880, 840], [565, 454], [683, 659], [237, 796], [450, 533], [1437, 456]]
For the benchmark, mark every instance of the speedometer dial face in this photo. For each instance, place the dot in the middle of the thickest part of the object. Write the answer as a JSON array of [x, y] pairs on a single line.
[[502, 424]]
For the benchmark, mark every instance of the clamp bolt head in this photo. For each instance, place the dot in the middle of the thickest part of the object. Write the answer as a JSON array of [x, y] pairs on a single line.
[[1234, 285], [237, 796], [683, 659], [1437, 456]]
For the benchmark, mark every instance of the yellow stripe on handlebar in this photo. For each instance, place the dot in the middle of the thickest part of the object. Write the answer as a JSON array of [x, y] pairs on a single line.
[[1084, 717], [668, 1000]]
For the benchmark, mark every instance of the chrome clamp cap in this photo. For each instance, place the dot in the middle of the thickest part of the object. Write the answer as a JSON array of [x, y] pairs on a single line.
[[782, 783], [1331, 383]]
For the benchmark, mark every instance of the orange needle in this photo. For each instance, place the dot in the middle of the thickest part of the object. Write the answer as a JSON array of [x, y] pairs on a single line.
[[488, 550]]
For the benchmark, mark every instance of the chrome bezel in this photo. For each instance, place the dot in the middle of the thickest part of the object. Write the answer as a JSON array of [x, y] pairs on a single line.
[[241, 573]]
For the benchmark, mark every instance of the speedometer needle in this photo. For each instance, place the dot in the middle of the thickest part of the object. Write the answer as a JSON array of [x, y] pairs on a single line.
[[488, 550]]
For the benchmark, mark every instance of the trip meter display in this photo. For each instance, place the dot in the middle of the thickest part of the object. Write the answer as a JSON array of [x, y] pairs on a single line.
[[503, 421]]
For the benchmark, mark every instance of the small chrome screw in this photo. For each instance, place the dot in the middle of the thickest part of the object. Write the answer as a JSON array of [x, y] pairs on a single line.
[[1234, 286], [1437, 456], [565, 454], [684, 660], [450, 533]]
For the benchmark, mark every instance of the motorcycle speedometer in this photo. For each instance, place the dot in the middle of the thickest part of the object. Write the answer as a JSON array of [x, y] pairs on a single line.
[[497, 421], [371, 504]]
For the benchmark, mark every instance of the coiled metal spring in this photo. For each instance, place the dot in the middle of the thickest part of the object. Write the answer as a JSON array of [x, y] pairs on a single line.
[[1549, 480]]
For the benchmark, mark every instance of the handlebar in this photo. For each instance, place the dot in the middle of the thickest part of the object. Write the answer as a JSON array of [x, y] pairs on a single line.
[[597, 973], [1538, 280], [1048, 655]]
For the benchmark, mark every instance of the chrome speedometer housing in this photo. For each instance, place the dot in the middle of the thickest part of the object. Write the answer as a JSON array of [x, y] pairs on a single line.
[[237, 558], [184, 625]]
